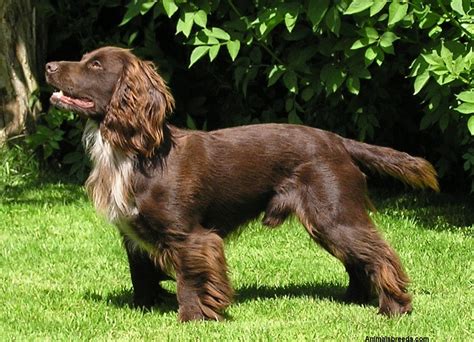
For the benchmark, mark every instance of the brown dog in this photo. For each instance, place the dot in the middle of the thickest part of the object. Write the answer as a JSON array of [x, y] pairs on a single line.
[[175, 194]]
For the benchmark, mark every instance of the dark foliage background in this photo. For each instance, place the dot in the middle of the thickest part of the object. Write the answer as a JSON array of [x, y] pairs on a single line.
[[388, 72]]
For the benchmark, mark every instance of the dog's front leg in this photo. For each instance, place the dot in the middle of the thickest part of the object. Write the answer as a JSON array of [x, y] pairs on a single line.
[[146, 277], [204, 290]]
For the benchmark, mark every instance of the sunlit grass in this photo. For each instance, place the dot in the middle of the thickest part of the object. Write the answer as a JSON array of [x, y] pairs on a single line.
[[64, 275]]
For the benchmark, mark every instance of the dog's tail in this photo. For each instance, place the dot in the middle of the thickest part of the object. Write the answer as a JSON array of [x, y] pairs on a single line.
[[414, 171]]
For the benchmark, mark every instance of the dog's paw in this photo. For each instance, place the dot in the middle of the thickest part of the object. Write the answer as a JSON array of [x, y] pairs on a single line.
[[391, 307], [144, 302], [194, 313]]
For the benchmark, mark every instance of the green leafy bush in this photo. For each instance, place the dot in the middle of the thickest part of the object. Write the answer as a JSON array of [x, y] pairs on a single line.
[[58, 137], [331, 56], [395, 72]]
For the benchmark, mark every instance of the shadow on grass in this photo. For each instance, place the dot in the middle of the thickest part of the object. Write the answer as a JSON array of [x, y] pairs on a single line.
[[317, 291], [433, 211], [123, 298], [42, 192]]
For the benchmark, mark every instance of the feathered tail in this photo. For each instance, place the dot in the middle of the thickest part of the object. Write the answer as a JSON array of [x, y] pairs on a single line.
[[414, 171]]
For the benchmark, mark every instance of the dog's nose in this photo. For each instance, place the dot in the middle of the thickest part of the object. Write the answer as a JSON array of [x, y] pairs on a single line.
[[52, 67]]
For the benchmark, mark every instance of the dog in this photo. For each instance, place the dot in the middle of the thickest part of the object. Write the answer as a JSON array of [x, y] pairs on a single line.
[[175, 194]]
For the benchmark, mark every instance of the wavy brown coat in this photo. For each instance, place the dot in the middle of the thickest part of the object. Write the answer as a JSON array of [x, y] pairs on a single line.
[[176, 194]]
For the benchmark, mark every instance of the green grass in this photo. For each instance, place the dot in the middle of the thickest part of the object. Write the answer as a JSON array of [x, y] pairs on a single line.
[[64, 276]]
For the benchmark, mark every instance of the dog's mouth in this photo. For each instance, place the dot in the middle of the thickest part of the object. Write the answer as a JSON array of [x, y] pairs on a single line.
[[67, 100]]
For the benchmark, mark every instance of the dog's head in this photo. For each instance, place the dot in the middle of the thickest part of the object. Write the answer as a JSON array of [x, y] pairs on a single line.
[[124, 94]]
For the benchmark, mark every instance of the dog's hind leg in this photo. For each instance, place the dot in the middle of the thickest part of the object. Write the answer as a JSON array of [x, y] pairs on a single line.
[[204, 290], [331, 203]]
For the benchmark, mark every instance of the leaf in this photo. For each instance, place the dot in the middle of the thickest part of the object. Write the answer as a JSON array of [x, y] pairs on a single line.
[[357, 6], [218, 33], [353, 85], [446, 54], [456, 5], [307, 93], [132, 11], [169, 7], [190, 122], [396, 11], [380, 56], [433, 59], [132, 37], [387, 39], [333, 20], [290, 80], [388, 49], [332, 77], [361, 71], [460, 64], [466, 96], [360, 43], [370, 54], [146, 6], [417, 66], [274, 74], [197, 53], [256, 55], [268, 19], [420, 81], [316, 11], [444, 121], [185, 23], [200, 39], [300, 57], [470, 124], [239, 73], [465, 108], [200, 18], [370, 33], [377, 7], [386, 42], [435, 32], [427, 120], [233, 46], [290, 20], [429, 20], [294, 119], [213, 51]]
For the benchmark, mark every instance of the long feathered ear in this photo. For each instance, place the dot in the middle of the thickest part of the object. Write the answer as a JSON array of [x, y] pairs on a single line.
[[137, 111]]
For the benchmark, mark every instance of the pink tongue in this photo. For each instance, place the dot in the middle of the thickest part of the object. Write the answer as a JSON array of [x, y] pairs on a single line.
[[79, 102], [74, 101]]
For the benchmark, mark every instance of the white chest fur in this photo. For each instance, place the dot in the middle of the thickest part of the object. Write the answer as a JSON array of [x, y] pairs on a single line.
[[109, 184]]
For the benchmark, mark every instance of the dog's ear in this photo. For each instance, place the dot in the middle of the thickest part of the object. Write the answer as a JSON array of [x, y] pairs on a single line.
[[138, 108]]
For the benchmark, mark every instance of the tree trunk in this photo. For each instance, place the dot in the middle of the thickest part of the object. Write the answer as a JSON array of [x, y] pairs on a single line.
[[20, 58]]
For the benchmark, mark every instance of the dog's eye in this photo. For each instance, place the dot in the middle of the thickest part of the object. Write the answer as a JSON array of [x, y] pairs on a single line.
[[95, 64]]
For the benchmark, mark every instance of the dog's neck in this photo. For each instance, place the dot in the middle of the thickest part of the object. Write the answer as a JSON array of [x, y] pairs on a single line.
[[110, 183], [147, 166]]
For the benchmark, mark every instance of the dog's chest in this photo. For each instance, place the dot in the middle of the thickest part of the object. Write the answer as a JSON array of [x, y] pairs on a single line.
[[110, 183], [110, 186]]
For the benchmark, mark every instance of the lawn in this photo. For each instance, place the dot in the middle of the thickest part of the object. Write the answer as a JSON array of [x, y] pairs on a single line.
[[64, 276]]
